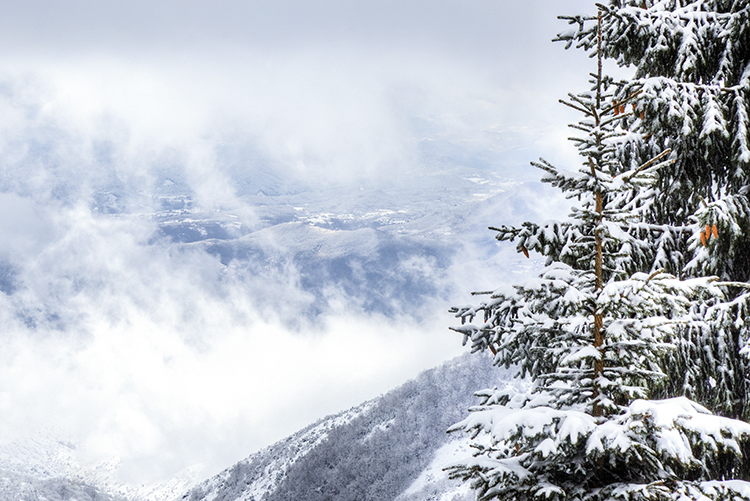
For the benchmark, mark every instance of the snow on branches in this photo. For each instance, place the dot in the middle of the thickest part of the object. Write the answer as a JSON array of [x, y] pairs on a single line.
[[692, 67], [627, 307], [653, 450]]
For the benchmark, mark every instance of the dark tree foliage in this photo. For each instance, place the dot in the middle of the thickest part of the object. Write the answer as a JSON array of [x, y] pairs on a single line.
[[375, 456], [691, 61]]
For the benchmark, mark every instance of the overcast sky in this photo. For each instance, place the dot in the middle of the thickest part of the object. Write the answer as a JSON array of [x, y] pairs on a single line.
[[149, 362]]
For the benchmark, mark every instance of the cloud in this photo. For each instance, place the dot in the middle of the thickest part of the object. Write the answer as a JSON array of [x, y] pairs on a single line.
[[482, 26], [137, 390], [24, 226], [322, 89], [310, 117]]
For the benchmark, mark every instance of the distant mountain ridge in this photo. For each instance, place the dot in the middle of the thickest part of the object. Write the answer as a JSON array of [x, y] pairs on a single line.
[[391, 447], [44, 467]]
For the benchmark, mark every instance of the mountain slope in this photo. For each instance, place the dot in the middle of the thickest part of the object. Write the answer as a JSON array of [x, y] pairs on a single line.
[[45, 466], [391, 447]]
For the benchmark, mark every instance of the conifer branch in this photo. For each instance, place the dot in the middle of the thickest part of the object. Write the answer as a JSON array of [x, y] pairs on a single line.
[[650, 163], [742, 285], [571, 105], [654, 274]]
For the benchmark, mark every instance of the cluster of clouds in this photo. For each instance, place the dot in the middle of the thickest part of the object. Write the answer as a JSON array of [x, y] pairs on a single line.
[[160, 355]]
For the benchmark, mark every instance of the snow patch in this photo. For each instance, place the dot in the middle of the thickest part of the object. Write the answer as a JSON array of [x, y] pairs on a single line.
[[433, 483]]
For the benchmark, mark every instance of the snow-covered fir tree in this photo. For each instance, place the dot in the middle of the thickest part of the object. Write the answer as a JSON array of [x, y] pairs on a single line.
[[592, 333], [692, 71]]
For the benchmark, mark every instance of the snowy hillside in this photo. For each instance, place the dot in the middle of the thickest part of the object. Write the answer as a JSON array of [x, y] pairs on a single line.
[[392, 447], [44, 466]]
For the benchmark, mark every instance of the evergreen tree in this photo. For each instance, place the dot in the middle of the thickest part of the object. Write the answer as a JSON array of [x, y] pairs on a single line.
[[592, 333], [692, 73]]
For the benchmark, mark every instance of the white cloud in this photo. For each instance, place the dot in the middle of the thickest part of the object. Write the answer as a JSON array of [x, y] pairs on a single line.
[[23, 225], [137, 390]]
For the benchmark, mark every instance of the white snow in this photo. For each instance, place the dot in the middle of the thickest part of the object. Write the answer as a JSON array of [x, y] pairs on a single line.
[[433, 483], [50, 454]]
